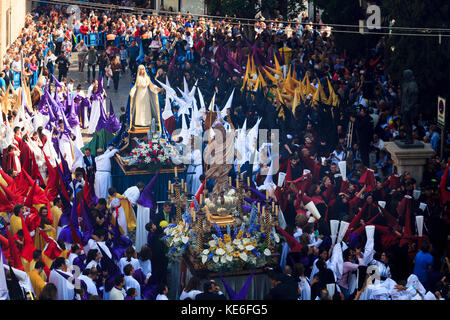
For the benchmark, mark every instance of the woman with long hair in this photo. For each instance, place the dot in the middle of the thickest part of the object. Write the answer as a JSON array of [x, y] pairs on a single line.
[[191, 290], [116, 68], [129, 258]]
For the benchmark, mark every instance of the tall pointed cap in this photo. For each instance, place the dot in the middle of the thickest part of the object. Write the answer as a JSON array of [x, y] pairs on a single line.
[[147, 198]]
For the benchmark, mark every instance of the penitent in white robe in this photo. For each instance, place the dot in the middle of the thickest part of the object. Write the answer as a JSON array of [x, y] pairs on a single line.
[[65, 289], [119, 214], [132, 194], [194, 171], [103, 174], [143, 217]]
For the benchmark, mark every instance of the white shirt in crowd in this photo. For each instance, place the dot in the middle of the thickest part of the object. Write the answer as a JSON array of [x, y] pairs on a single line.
[[116, 294]]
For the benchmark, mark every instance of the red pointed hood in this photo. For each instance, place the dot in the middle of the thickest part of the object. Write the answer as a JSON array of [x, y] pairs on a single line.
[[5, 203], [445, 194], [51, 190], [51, 250], [28, 245], [199, 192], [14, 257], [368, 178]]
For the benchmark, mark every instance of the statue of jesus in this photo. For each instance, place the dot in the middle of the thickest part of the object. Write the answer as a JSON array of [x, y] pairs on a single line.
[[144, 106]]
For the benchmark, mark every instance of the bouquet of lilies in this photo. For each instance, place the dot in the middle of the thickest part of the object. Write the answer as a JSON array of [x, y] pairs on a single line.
[[244, 249], [178, 237]]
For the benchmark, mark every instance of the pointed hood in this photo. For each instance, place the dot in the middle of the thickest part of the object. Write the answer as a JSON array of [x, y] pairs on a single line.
[[14, 257], [147, 198], [227, 105], [112, 124], [242, 294], [202, 101], [198, 194], [443, 189], [28, 245], [368, 178], [213, 100], [167, 113]]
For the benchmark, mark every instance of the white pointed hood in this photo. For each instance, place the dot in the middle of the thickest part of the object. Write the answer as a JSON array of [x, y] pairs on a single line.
[[227, 105], [167, 113], [202, 101]]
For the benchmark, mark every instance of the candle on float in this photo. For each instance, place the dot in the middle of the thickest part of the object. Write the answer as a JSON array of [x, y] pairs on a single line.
[[248, 182], [273, 206], [182, 183], [185, 188], [267, 194], [259, 207], [229, 181], [171, 188], [201, 199], [276, 211], [237, 183], [169, 185], [239, 168], [176, 172]]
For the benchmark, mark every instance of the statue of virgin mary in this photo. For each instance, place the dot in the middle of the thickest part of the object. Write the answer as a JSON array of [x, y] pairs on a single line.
[[144, 106]]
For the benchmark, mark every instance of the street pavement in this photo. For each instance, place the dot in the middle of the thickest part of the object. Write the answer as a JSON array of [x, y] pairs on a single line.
[[119, 98]]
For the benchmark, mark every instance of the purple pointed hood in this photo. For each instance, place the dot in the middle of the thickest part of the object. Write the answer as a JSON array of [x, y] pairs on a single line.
[[147, 198], [112, 124], [241, 295], [72, 117]]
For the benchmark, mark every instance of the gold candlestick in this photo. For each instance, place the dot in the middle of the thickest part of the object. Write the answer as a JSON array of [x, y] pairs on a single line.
[[178, 202], [267, 225], [199, 231]]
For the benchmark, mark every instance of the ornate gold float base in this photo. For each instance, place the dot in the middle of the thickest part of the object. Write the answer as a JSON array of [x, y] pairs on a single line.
[[222, 221]]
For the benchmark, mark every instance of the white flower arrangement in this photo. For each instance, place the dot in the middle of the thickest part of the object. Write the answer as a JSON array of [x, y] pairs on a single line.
[[177, 237]]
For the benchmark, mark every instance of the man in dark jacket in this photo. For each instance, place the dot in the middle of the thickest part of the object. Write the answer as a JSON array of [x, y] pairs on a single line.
[[284, 287], [364, 129], [210, 292], [102, 61], [63, 66]]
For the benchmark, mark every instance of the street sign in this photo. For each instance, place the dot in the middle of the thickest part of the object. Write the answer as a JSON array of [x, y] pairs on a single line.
[[441, 112]]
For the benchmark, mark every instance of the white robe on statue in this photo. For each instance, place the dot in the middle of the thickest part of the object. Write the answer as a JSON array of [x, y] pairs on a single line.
[[65, 290], [103, 174]]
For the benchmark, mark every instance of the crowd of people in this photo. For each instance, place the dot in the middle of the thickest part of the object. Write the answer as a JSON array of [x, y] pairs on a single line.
[[48, 185]]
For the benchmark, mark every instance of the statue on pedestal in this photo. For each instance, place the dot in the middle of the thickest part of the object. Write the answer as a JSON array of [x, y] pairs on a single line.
[[409, 107]]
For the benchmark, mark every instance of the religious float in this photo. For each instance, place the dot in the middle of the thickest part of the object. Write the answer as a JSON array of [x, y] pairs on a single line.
[[223, 235], [144, 145]]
